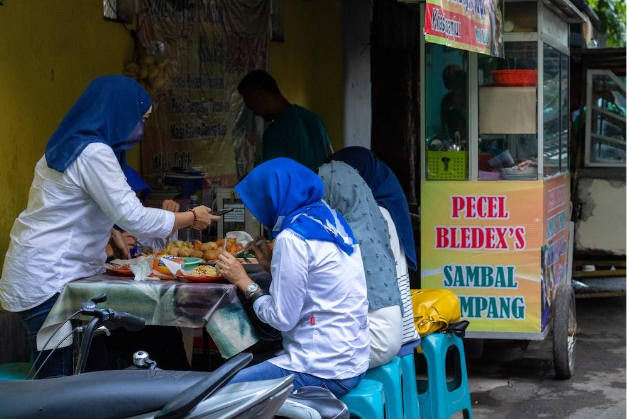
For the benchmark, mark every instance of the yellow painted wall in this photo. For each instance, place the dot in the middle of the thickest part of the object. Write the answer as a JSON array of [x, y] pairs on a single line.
[[308, 65], [49, 51]]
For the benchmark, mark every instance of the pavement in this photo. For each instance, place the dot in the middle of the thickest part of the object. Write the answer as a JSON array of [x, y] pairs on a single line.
[[508, 381]]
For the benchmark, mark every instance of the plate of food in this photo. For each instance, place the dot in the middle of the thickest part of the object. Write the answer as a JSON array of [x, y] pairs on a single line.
[[120, 270], [202, 273]]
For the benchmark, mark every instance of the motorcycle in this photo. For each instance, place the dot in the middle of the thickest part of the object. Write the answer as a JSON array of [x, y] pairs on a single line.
[[148, 392]]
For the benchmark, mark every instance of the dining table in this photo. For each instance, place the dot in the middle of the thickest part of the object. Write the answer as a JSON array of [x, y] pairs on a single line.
[[214, 306]]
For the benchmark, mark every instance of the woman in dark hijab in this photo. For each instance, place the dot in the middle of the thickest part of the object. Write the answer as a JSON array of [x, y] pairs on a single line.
[[392, 202]]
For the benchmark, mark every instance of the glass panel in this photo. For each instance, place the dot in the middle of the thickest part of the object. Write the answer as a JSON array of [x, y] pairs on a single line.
[[551, 111], [565, 109], [446, 113], [508, 141], [521, 17], [608, 126], [607, 130]]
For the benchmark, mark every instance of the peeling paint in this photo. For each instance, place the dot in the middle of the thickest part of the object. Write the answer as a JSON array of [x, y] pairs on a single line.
[[601, 226]]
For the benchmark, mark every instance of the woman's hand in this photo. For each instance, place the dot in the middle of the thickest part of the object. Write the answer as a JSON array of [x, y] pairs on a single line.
[[170, 205], [229, 267], [130, 240], [203, 218], [262, 253], [119, 246]]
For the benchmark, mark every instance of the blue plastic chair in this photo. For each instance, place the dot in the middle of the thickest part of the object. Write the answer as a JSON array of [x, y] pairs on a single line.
[[367, 400], [411, 408], [14, 371], [438, 398], [390, 376]]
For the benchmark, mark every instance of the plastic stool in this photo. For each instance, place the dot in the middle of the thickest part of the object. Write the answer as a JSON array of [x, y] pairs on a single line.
[[15, 371], [411, 409], [367, 400], [390, 376], [438, 398]]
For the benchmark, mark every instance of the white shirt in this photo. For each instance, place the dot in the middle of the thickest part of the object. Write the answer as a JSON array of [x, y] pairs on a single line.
[[402, 277], [316, 280], [62, 234]]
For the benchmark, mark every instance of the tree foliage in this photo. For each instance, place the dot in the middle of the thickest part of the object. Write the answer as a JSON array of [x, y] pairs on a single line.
[[612, 16]]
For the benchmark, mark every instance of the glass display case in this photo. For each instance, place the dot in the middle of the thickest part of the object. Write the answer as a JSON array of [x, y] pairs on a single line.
[[447, 129], [508, 94], [488, 118]]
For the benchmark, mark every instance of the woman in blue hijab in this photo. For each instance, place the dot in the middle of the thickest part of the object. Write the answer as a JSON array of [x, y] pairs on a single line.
[[78, 193], [317, 297], [392, 203]]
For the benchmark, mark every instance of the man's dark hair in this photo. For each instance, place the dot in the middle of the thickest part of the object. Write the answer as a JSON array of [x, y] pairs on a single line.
[[258, 80]]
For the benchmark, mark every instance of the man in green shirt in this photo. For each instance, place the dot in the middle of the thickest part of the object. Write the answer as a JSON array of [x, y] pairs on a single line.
[[294, 132]]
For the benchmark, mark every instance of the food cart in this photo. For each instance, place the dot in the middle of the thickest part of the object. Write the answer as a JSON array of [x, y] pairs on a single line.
[[495, 183]]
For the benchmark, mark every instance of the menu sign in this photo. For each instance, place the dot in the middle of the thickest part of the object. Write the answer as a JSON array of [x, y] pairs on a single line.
[[472, 25]]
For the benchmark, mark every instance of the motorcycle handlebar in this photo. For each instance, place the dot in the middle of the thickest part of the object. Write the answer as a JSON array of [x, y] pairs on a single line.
[[128, 321]]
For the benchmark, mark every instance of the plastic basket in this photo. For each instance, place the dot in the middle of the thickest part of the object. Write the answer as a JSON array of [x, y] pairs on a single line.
[[446, 164], [515, 77]]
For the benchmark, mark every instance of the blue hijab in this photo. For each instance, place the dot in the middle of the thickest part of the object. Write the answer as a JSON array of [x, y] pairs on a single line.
[[109, 111], [137, 184], [285, 195], [386, 190]]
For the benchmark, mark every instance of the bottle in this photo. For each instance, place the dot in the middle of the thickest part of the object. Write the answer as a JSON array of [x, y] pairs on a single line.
[[193, 234]]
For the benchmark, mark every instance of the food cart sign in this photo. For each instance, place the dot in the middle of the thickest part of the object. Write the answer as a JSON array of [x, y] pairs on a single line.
[[472, 25], [486, 248]]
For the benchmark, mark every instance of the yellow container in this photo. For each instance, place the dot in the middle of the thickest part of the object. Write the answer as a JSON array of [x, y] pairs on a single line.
[[447, 165]]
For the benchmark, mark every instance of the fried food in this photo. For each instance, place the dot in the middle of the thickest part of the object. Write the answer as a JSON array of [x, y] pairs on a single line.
[[196, 254], [208, 251], [210, 255], [204, 270], [185, 252]]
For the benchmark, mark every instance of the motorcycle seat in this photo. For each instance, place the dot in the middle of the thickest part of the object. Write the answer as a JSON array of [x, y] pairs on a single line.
[[95, 395], [321, 400]]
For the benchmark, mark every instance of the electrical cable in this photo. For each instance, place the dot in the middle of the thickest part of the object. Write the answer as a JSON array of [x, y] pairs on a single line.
[[55, 348], [47, 342]]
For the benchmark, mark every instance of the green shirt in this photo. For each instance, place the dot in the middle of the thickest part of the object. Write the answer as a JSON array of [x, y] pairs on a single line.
[[298, 134]]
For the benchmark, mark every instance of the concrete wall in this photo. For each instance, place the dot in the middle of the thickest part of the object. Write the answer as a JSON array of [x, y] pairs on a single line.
[[49, 51], [308, 65], [356, 21]]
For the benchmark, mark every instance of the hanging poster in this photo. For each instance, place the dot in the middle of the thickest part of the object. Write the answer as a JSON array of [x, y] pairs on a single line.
[[472, 25], [191, 55], [486, 248]]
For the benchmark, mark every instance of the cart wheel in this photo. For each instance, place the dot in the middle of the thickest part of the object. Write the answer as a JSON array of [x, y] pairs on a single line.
[[564, 332]]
